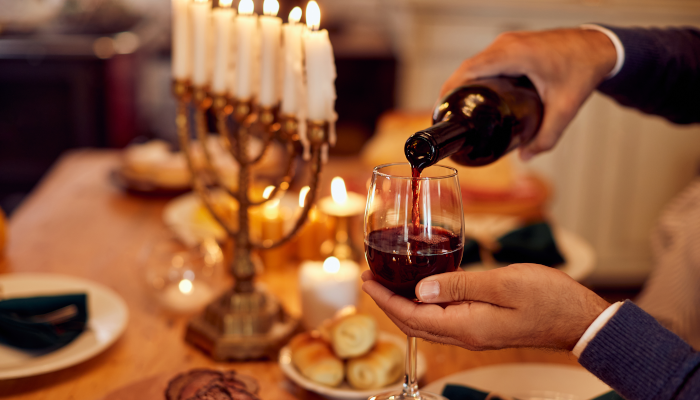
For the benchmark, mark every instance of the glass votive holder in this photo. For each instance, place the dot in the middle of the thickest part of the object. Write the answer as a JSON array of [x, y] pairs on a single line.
[[183, 279]]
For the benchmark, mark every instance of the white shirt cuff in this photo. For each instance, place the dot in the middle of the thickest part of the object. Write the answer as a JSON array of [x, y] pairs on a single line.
[[619, 48], [593, 329]]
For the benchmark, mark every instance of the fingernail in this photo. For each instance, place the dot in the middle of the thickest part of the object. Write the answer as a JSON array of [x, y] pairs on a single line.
[[429, 290]]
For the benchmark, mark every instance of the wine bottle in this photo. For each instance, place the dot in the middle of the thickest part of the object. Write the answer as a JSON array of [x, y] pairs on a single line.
[[478, 123]]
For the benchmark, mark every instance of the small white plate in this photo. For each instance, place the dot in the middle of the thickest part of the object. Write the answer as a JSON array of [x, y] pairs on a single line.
[[528, 381], [344, 391], [107, 317], [578, 253]]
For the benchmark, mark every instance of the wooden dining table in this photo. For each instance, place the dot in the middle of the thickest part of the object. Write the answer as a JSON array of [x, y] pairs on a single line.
[[77, 222]]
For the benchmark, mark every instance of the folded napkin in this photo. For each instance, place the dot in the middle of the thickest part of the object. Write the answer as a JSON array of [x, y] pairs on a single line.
[[530, 244], [459, 392], [44, 322]]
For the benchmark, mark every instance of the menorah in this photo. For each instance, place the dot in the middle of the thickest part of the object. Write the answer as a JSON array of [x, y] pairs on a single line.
[[246, 322]]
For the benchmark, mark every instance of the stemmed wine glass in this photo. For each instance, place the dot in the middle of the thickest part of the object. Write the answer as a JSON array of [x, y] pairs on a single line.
[[413, 228]]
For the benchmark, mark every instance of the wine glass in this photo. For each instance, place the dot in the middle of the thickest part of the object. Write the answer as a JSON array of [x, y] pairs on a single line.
[[413, 228]]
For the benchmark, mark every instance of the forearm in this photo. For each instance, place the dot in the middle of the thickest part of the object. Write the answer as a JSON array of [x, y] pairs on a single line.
[[660, 74], [640, 359]]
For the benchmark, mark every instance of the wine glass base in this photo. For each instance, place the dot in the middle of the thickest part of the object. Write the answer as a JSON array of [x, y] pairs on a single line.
[[400, 396]]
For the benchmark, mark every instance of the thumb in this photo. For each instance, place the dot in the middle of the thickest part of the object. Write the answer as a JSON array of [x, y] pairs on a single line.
[[458, 286]]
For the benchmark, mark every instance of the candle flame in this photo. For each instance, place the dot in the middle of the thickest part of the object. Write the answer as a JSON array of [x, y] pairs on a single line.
[[185, 286], [331, 265], [225, 3], [246, 7], [267, 192], [302, 195], [338, 192], [313, 16], [295, 15], [271, 7]]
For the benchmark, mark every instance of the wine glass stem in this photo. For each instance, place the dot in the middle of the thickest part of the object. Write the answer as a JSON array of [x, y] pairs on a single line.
[[410, 386]]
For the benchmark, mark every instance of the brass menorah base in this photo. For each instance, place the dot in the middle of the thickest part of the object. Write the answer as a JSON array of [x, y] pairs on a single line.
[[246, 322], [242, 327]]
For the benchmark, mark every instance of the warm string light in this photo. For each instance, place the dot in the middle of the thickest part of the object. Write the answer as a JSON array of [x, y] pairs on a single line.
[[246, 7], [295, 15], [271, 8], [313, 16]]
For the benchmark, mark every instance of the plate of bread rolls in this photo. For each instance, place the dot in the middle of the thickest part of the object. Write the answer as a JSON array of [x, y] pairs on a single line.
[[347, 358]]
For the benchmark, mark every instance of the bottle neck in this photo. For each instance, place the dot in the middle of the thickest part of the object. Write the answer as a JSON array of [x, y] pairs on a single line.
[[429, 146]]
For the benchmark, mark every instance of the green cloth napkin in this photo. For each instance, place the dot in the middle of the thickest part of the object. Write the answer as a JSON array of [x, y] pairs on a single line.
[[529, 244], [459, 392], [23, 325]]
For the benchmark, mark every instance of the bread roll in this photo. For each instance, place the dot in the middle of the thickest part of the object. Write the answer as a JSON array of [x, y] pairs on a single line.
[[312, 356], [352, 335], [376, 369]]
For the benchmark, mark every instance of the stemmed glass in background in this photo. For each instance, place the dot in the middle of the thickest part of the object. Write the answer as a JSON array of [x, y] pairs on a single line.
[[403, 246]]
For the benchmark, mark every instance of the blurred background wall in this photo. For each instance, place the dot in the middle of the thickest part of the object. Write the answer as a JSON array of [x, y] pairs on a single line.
[[615, 168], [96, 73]]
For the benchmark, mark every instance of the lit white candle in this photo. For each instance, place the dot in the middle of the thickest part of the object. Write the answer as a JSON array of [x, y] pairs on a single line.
[[342, 203], [247, 49], [326, 288], [270, 30], [182, 45], [320, 71], [293, 64], [200, 11], [186, 296], [223, 18]]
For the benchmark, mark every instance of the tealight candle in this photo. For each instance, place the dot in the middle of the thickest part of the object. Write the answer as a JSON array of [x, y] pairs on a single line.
[[326, 287], [342, 203], [186, 295]]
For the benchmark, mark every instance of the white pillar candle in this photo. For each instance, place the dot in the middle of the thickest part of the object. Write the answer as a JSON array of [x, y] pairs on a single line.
[[320, 71], [247, 42], [326, 288], [200, 11], [181, 45], [270, 31], [223, 19]]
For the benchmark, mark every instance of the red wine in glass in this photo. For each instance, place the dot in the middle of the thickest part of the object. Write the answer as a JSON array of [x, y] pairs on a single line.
[[413, 229], [399, 263]]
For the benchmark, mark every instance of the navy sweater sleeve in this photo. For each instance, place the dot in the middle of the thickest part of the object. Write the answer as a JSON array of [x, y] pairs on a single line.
[[661, 72], [641, 359]]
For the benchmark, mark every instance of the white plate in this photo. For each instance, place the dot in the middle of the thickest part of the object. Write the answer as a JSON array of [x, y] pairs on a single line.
[[528, 381], [107, 317], [578, 253], [344, 391], [180, 215]]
